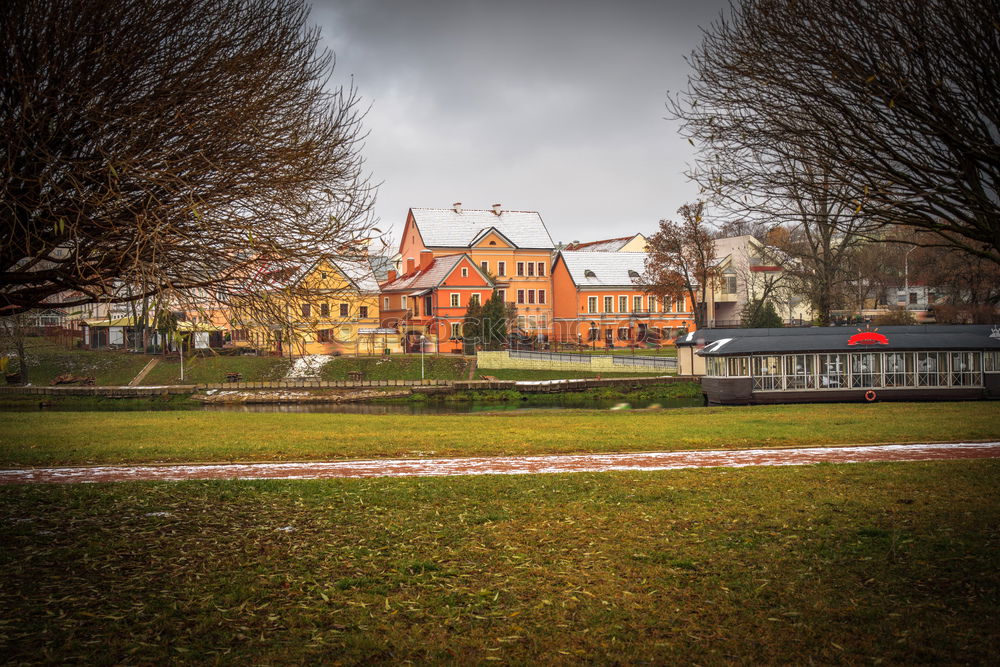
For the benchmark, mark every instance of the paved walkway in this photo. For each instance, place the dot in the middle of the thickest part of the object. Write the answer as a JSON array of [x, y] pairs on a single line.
[[509, 465]]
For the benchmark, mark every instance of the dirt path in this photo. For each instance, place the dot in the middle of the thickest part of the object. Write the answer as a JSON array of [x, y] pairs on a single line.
[[508, 465]]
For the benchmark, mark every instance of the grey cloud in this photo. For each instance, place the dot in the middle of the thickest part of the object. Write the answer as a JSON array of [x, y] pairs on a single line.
[[553, 106]]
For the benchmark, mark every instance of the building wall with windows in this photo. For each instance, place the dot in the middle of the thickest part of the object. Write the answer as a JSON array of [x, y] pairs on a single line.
[[597, 304], [512, 247]]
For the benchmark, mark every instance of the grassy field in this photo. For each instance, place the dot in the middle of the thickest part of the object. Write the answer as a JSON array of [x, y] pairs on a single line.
[[113, 437], [47, 359], [830, 564], [198, 370]]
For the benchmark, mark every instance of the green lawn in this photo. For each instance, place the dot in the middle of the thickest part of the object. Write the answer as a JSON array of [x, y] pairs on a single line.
[[47, 359], [110, 437], [199, 370], [829, 564]]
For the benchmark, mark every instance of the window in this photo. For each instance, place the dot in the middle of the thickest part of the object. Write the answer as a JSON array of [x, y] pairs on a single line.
[[306, 310], [456, 330], [455, 300], [965, 369], [465, 272], [652, 304], [668, 305], [343, 310], [799, 371], [866, 369], [531, 296], [239, 335], [593, 332], [622, 304], [502, 294], [402, 301], [899, 369], [541, 296], [609, 304], [766, 372], [485, 266], [738, 366], [624, 333], [913, 298], [932, 369], [591, 305], [715, 366], [637, 304], [730, 285], [363, 311], [520, 268], [385, 303], [473, 298], [324, 335], [501, 268], [324, 310], [541, 268], [322, 275], [531, 268], [832, 371]]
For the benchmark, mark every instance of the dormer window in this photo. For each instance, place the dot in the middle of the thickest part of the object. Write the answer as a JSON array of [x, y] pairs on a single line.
[[493, 242], [589, 274], [633, 274]]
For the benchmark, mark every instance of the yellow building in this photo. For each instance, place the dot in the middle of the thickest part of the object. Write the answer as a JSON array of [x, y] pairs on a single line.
[[328, 307]]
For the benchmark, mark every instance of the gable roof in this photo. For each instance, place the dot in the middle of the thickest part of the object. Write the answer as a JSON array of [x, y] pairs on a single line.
[[433, 275], [444, 228], [358, 271], [605, 245], [491, 230], [609, 269]]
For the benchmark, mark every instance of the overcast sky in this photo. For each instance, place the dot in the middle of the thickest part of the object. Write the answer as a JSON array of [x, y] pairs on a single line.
[[554, 106]]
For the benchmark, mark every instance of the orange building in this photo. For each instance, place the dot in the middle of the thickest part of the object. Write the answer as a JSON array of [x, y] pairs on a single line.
[[427, 305], [598, 303], [513, 248]]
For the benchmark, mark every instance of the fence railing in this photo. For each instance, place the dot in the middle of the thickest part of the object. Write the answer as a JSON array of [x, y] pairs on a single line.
[[564, 357], [643, 361]]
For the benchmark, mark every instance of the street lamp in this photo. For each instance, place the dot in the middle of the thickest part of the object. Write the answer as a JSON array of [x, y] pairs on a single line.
[[906, 278], [423, 340]]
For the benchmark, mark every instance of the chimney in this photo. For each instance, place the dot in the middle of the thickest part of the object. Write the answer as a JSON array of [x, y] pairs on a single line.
[[410, 265], [457, 207], [392, 275], [496, 209], [426, 257]]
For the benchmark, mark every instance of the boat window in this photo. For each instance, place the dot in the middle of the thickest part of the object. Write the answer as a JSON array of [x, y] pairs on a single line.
[[832, 371], [799, 371], [738, 366], [965, 369], [866, 369], [766, 372], [932, 369], [899, 367]]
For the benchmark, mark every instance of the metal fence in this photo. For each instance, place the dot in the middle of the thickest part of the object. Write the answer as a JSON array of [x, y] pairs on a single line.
[[638, 360], [561, 357], [645, 362]]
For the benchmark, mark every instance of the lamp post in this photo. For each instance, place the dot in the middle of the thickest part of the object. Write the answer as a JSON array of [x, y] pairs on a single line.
[[906, 278], [423, 340]]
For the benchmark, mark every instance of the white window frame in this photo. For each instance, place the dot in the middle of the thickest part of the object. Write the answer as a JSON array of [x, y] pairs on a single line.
[[456, 300]]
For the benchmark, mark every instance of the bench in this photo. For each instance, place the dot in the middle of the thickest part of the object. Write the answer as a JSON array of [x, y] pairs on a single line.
[[355, 376], [234, 377]]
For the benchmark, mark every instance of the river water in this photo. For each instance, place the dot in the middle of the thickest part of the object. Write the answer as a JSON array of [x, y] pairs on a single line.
[[401, 408]]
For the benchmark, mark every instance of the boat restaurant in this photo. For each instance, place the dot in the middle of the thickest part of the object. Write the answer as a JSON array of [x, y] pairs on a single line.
[[844, 364]]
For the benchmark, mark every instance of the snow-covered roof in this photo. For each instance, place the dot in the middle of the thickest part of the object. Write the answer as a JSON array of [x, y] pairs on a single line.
[[444, 228], [358, 271], [605, 245], [430, 277], [604, 269]]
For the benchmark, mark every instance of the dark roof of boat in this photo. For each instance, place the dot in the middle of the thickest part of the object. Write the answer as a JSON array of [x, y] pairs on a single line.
[[730, 342]]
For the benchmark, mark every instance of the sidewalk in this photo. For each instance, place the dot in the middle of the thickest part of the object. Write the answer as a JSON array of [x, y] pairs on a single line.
[[508, 465]]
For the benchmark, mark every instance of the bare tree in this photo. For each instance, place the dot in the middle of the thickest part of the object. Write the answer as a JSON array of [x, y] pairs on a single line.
[[167, 145], [894, 101], [681, 259]]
